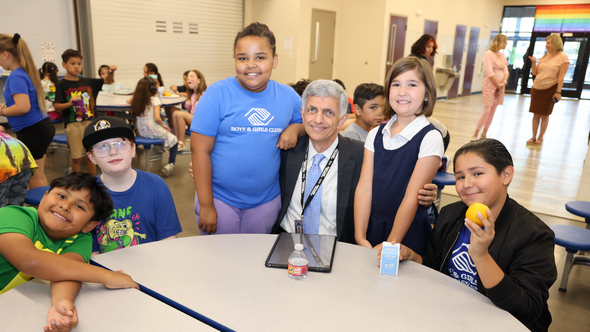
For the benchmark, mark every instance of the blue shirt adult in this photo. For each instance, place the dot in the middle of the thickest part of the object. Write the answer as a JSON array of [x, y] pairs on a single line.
[[246, 126], [19, 82], [143, 213]]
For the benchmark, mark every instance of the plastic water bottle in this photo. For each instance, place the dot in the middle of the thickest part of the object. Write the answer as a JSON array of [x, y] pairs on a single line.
[[298, 263]]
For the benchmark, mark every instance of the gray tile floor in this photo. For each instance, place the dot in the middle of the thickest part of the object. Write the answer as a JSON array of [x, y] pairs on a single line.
[[570, 310]]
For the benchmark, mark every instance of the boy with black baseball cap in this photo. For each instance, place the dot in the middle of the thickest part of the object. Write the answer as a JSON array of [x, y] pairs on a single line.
[[144, 209]]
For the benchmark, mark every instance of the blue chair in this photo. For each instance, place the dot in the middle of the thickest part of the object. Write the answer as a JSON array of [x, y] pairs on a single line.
[[147, 146], [581, 209], [60, 142], [33, 196], [442, 179], [573, 239]]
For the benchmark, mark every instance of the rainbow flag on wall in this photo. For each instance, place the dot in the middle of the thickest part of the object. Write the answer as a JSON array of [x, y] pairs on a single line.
[[562, 18]]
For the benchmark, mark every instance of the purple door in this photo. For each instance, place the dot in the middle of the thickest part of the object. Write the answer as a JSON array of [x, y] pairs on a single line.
[[431, 28], [469, 66], [458, 49], [397, 40]]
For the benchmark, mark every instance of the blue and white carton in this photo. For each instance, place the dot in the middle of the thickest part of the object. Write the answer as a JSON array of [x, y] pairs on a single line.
[[390, 258]]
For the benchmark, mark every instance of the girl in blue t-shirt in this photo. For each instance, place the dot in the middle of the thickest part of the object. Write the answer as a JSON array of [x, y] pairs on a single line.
[[25, 106], [400, 158], [238, 127]]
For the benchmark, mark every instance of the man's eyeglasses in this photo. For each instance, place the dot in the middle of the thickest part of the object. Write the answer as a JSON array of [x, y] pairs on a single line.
[[103, 150]]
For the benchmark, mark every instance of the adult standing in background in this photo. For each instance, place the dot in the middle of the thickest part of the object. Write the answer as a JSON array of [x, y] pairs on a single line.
[[495, 67], [546, 90], [424, 47]]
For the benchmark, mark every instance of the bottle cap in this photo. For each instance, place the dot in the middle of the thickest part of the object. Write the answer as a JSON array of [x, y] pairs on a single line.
[[298, 246]]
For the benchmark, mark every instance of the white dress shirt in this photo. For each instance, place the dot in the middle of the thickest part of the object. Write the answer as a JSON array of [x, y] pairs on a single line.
[[329, 195]]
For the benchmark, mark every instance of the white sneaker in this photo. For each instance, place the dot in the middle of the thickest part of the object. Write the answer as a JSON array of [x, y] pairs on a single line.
[[184, 150], [168, 169]]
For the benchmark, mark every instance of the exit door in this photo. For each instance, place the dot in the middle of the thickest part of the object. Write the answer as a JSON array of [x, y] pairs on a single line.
[[458, 49], [397, 40], [323, 28]]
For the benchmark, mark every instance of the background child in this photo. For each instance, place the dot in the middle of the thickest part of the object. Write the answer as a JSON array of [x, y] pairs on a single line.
[[146, 107], [181, 89], [30, 239], [144, 209], [49, 80], [511, 259], [196, 87], [241, 118], [300, 86], [25, 106], [400, 158], [104, 72], [368, 108], [75, 98], [16, 168]]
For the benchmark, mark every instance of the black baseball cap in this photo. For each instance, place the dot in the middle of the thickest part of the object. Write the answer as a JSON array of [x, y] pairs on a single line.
[[103, 128]]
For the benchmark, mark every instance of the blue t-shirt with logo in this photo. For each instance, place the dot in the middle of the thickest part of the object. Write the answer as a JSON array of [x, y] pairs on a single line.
[[246, 126], [461, 266], [19, 82]]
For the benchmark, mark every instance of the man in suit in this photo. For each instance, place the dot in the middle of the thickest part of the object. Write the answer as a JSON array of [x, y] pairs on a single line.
[[323, 113]]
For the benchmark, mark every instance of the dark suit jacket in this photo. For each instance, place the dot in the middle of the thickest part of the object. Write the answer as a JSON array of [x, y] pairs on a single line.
[[350, 160]]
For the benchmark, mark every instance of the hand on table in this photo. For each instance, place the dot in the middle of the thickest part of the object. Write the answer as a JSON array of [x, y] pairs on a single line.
[[405, 253], [481, 238], [118, 279], [62, 317], [208, 219], [427, 195]]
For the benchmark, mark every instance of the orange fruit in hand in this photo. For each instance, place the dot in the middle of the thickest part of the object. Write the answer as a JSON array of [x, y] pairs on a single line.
[[471, 213]]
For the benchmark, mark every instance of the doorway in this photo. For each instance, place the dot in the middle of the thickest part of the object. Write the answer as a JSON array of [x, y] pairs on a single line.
[[397, 40], [323, 29], [458, 49], [575, 45], [431, 28], [470, 64]]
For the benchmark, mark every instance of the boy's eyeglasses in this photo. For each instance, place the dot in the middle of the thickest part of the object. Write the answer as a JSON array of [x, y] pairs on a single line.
[[103, 150]]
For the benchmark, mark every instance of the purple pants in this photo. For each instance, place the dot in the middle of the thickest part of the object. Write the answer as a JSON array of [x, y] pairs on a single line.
[[232, 220]]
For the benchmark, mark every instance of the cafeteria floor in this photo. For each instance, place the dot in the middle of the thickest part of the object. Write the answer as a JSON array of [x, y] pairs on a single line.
[[545, 179]]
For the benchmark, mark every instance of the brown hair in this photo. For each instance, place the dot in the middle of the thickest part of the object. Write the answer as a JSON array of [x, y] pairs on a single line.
[[70, 53], [152, 68], [141, 96], [18, 48], [424, 73], [258, 30], [200, 88]]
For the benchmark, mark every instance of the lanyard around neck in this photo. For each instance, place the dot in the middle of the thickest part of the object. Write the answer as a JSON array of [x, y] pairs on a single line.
[[318, 183]]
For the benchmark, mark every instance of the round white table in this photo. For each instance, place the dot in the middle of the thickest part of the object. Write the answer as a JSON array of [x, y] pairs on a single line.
[[108, 101], [224, 278]]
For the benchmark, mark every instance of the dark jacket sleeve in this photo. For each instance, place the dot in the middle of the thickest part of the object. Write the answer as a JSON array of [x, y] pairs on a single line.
[[524, 290]]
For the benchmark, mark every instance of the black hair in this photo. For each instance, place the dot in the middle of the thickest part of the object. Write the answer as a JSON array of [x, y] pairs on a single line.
[[70, 53], [490, 150], [50, 69], [300, 86], [419, 47], [99, 197], [258, 30], [365, 92], [339, 83], [101, 67], [152, 68]]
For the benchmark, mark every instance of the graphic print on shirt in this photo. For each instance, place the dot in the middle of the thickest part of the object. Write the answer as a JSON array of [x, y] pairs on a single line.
[[117, 234], [462, 267], [82, 108], [259, 118]]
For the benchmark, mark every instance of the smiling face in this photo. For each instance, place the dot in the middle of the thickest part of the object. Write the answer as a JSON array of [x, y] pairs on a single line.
[[429, 48], [66, 212], [479, 182], [73, 66], [254, 62], [322, 120], [115, 162], [193, 80], [407, 94], [548, 45]]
